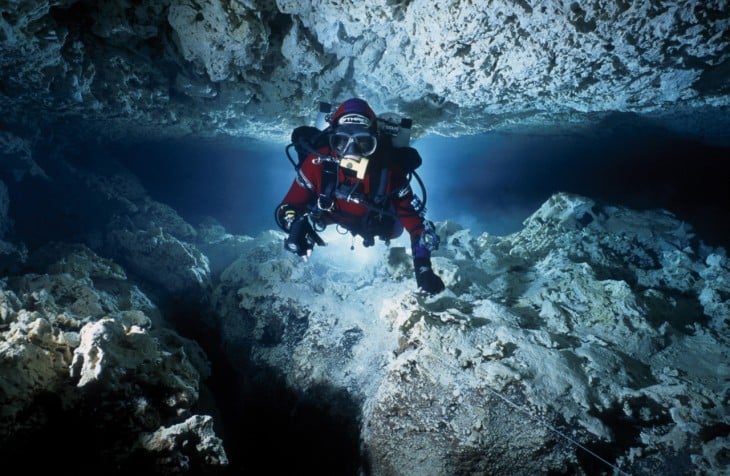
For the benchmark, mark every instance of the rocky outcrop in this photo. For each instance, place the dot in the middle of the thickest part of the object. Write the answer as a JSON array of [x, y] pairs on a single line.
[[88, 359], [595, 333], [88, 364], [96, 201], [256, 69]]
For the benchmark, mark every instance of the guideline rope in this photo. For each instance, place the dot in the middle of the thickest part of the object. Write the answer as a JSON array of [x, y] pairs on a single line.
[[555, 430]]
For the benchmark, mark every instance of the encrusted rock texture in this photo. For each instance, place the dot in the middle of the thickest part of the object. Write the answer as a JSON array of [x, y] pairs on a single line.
[[90, 370], [594, 333], [595, 325], [85, 365], [257, 68], [595, 336]]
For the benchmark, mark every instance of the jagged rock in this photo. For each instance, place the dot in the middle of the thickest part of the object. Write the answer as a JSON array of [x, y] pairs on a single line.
[[107, 351], [605, 324], [106, 207], [176, 266], [16, 156], [220, 247], [149, 238], [239, 36], [175, 445], [225, 68], [75, 331]]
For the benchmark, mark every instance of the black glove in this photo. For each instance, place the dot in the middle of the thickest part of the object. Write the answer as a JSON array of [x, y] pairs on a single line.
[[302, 238], [427, 280]]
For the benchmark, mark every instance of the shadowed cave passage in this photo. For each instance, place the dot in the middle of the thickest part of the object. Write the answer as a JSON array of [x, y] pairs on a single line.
[[268, 426], [73, 442]]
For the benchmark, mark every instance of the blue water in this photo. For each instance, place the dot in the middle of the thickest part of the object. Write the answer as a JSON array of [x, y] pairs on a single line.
[[488, 183]]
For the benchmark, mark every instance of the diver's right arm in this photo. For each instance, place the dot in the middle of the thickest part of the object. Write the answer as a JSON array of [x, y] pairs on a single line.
[[291, 213], [302, 193]]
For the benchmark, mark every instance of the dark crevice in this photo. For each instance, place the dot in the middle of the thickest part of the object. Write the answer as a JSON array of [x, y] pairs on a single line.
[[264, 422]]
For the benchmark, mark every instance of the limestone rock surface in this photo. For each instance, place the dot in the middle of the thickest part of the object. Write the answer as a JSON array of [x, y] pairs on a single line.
[[602, 324], [87, 364], [595, 325], [228, 68]]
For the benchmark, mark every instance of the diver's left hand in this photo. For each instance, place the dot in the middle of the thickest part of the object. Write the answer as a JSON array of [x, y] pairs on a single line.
[[428, 281]]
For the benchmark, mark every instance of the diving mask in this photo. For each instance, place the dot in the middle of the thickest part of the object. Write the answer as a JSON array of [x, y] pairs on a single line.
[[357, 143], [354, 149]]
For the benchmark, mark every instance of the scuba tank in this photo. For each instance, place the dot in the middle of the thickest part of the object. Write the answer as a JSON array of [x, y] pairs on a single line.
[[398, 130], [325, 109], [307, 139], [396, 127]]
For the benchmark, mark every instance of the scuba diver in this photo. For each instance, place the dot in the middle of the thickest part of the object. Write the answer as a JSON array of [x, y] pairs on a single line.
[[351, 175]]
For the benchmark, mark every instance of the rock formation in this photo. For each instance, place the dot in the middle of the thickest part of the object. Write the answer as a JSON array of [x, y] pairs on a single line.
[[596, 323], [91, 374], [257, 68], [592, 341], [595, 336]]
